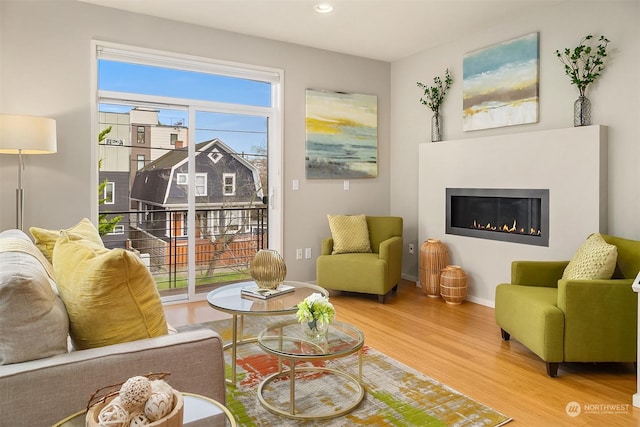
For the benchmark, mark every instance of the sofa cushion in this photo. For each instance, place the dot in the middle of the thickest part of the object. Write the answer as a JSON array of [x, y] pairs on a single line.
[[110, 295], [33, 319], [45, 239], [350, 234], [595, 259]]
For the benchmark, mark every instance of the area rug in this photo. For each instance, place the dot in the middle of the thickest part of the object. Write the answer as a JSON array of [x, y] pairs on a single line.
[[395, 394]]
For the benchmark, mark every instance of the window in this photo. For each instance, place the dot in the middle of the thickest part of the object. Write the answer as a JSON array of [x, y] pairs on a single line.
[[229, 183], [109, 193], [140, 134], [140, 160], [170, 107], [118, 229], [201, 182], [182, 179]]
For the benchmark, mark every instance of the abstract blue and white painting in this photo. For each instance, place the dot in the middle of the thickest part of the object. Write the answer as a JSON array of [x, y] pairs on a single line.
[[500, 85], [342, 135]]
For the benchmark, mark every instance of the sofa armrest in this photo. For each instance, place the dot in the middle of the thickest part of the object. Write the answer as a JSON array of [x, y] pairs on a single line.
[[327, 246], [602, 313], [391, 250], [61, 385], [537, 273]]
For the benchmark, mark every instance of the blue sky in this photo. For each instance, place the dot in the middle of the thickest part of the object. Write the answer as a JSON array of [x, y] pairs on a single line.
[[241, 133]]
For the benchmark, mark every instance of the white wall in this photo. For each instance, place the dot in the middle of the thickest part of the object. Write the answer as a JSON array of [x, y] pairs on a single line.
[[527, 160], [45, 57], [615, 98]]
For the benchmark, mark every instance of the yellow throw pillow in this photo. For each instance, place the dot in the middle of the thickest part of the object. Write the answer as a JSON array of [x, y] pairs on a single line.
[[45, 239], [595, 259], [350, 233], [110, 295]]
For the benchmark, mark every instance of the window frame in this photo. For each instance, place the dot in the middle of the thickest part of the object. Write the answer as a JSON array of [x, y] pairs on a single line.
[[106, 200], [274, 114], [224, 184]]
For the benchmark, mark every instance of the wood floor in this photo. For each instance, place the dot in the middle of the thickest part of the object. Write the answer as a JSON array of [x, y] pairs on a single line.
[[460, 346]]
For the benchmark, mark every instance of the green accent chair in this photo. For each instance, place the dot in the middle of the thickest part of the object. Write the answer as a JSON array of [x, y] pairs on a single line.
[[572, 320], [376, 273]]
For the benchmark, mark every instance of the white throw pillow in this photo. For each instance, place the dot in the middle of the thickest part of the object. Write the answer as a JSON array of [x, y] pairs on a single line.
[[33, 319]]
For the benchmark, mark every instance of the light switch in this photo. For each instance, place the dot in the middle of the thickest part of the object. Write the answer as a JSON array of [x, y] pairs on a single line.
[[295, 185], [346, 185]]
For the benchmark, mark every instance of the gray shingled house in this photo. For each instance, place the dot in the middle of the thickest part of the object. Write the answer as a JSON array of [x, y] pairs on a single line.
[[227, 189]]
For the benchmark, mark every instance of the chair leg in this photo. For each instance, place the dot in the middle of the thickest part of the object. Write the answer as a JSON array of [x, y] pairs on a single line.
[[552, 369], [381, 299], [395, 289], [505, 335]]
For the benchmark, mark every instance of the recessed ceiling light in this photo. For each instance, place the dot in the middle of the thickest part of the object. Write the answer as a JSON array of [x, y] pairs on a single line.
[[323, 8]]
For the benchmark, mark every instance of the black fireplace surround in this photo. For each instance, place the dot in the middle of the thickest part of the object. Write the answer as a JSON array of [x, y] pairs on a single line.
[[509, 215]]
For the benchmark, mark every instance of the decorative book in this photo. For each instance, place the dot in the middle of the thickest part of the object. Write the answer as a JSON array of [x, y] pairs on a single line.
[[254, 291]]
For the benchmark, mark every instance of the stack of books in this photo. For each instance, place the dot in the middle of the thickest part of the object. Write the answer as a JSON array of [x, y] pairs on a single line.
[[253, 291]]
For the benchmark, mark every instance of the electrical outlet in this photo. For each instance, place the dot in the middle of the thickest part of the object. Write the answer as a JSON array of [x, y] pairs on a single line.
[[298, 253], [307, 253], [412, 249], [346, 185]]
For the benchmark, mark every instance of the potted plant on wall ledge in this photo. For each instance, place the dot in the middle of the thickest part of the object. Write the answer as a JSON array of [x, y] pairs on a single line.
[[433, 97], [583, 64]]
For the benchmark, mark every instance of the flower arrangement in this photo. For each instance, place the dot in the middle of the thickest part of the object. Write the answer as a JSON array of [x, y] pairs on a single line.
[[434, 95], [316, 311], [584, 63]]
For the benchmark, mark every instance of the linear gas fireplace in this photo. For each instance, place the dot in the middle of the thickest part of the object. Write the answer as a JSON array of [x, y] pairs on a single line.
[[510, 215]]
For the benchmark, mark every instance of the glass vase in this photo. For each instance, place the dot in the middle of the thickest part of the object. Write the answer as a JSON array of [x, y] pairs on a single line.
[[436, 127], [268, 269], [314, 329], [582, 111]]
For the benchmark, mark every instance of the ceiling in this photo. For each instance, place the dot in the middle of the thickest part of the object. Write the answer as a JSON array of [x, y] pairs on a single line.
[[385, 30]]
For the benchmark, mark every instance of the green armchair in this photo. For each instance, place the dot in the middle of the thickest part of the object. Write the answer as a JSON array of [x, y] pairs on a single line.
[[564, 320], [376, 273]]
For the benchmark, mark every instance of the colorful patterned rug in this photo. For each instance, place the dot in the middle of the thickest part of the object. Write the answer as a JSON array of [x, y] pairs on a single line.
[[395, 395]]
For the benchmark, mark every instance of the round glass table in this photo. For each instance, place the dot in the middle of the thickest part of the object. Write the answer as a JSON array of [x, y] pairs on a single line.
[[230, 299], [287, 341], [199, 411]]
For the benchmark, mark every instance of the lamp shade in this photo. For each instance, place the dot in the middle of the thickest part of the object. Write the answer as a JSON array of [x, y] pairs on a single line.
[[27, 135]]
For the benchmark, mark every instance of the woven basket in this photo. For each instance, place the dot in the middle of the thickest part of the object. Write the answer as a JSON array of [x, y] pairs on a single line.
[[174, 419], [434, 256], [453, 284]]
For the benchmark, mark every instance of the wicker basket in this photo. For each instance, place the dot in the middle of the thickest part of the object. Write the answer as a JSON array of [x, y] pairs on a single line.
[[434, 256], [174, 419], [453, 284]]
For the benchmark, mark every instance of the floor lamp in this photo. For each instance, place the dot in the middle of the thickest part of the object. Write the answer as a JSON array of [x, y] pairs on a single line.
[[25, 135]]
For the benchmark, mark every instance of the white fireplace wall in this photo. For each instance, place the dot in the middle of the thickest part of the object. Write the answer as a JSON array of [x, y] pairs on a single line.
[[571, 163]]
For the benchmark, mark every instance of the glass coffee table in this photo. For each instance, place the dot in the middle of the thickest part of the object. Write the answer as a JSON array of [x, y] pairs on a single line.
[[229, 299], [199, 411], [287, 341]]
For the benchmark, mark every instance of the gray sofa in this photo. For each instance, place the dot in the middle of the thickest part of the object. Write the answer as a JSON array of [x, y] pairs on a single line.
[[42, 383], [45, 391]]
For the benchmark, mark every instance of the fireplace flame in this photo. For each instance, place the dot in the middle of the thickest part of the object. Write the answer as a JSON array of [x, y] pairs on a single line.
[[506, 228]]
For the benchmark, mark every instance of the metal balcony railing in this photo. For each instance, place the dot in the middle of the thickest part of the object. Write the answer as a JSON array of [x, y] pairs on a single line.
[[226, 240]]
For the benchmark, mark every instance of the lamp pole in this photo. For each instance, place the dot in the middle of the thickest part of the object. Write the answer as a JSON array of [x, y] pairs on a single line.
[[19, 195]]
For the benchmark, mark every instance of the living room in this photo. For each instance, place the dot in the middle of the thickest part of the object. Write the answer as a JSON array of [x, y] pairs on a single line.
[[46, 71]]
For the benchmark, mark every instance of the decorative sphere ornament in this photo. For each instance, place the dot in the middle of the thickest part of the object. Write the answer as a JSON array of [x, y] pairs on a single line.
[[135, 392], [268, 269], [113, 415], [158, 406]]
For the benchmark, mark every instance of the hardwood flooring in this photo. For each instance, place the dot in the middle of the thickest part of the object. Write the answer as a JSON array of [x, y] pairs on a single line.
[[460, 346]]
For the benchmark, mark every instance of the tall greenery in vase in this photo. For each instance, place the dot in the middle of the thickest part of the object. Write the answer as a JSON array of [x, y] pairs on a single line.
[[433, 96], [584, 63]]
